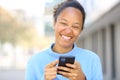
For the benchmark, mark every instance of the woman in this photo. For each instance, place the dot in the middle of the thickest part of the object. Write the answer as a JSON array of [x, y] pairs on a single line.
[[69, 19]]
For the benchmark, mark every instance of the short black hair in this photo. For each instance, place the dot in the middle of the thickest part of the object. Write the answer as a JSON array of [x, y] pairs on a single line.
[[69, 3]]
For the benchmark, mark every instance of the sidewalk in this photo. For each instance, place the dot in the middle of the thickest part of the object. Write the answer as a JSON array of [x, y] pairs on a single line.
[[12, 74]]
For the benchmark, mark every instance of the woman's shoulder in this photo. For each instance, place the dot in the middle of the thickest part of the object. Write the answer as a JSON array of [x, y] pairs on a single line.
[[87, 52], [39, 56]]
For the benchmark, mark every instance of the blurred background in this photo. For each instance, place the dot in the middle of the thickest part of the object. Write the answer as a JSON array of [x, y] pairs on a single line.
[[26, 28]]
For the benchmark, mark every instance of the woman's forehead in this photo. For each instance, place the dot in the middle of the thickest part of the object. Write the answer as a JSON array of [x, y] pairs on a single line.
[[70, 12]]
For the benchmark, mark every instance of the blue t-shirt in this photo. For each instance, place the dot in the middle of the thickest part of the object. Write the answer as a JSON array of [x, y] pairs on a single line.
[[89, 61]]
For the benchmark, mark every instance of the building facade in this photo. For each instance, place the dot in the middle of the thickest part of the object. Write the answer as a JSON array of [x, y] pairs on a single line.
[[103, 38]]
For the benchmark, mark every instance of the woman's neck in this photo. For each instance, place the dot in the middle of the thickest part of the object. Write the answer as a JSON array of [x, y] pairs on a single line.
[[61, 50]]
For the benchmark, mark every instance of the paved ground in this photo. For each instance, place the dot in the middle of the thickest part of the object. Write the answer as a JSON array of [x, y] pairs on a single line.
[[12, 74]]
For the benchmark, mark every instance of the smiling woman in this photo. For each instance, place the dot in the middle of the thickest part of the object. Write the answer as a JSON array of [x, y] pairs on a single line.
[[69, 19]]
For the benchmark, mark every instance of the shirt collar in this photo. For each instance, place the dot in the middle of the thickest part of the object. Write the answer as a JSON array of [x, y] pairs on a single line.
[[56, 55]]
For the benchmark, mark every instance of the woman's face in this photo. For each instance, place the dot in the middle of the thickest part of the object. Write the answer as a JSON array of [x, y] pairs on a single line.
[[68, 27]]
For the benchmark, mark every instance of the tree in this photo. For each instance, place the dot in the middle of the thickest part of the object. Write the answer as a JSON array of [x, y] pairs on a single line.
[[14, 31]]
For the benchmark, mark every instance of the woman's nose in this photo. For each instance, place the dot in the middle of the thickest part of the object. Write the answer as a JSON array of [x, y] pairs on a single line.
[[68, 30]]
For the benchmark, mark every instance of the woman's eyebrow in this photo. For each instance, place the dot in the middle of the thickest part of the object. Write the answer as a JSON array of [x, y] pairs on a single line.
[[77, 24], [62, 19]]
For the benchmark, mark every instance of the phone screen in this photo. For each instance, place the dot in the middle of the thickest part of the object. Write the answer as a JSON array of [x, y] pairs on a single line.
[[66, 59]]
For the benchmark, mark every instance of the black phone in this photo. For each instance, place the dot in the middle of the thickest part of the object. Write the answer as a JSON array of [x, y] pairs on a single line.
[[65, 59]]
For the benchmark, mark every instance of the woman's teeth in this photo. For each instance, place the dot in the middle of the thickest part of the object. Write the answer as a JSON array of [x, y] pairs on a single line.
[[66, 37]]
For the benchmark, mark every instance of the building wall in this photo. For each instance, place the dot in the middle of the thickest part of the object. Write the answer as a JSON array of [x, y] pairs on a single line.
[[117, 49], [103, 37]]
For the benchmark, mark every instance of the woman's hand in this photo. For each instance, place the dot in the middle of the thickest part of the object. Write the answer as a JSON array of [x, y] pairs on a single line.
[[74, 72], [51, 70]]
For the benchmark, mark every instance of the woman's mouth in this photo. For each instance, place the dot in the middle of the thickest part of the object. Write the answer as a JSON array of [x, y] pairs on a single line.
[[66, 37]]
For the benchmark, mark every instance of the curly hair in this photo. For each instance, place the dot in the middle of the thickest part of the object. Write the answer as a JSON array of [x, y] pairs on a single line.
[[68, 3]]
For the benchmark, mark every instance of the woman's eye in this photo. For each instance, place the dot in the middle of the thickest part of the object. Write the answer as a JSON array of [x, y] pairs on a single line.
[[76, 27], [63, 23]]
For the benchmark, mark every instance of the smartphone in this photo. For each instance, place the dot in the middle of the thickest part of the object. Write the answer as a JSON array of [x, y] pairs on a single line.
[[65, 59]]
